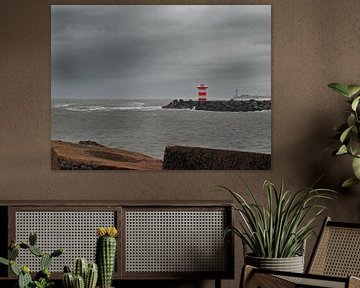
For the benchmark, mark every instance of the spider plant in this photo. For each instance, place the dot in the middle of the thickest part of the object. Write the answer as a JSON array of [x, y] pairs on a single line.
[[279, 229]]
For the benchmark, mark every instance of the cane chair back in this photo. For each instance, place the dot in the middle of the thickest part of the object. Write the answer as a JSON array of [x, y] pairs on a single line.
[[335, 262], [337, 252]]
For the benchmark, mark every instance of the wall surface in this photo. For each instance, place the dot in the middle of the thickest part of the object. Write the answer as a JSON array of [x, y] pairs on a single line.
[[313, 43]]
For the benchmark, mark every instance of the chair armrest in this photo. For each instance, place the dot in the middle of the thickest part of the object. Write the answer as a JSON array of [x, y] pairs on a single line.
[[354, 282], [252, 277], [255, 277]]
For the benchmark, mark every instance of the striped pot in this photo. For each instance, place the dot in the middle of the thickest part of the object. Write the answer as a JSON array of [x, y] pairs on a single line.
[[291, 264]]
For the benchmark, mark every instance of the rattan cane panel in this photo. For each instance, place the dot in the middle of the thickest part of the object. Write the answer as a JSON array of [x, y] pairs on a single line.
[[338, 253], [313, 282], [75, 231], [175, 241]]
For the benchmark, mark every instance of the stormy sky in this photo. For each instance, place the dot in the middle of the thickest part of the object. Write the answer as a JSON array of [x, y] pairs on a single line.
[[165, 51]]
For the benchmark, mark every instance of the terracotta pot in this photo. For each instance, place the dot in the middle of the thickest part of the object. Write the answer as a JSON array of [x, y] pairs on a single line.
[[291, 264]]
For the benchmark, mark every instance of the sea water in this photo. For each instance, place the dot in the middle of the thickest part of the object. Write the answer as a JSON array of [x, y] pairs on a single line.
[[143, 126]]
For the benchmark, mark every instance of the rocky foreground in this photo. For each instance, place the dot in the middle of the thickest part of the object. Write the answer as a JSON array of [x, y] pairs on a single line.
[[227, 106], [89, 155]]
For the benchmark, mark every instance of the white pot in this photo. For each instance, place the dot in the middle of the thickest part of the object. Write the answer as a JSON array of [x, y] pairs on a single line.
[[291, 264]]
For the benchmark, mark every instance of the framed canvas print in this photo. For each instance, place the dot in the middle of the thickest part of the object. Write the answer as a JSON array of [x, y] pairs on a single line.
[[161, 87]]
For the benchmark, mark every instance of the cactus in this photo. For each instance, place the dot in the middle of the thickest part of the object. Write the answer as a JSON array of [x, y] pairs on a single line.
[[45, 261], [80, 267], [67, 269], [42, 278], [13, 253], [91, 276], [44, 273], [14, 268], [36, 251], [106, 254], [68, 280], [32, 238], [57, 253], [24, 245], [24, 280], [79, 282], [90, 272]]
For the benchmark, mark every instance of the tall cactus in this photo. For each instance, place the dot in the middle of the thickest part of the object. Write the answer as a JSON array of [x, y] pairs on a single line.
[[106, 254]]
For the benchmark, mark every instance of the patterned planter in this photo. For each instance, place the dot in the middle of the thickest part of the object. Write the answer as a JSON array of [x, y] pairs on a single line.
[[291, 264]]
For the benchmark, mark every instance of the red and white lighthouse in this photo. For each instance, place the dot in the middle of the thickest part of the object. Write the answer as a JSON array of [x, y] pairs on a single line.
[[202, 92]]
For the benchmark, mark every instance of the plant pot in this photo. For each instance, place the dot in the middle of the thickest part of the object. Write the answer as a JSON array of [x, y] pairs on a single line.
[[291, 264]]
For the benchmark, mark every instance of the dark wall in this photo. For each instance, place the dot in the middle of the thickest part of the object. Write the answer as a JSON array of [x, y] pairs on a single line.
[[313, 43]]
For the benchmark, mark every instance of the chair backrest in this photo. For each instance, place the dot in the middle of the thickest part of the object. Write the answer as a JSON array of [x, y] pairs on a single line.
[[337, 251]]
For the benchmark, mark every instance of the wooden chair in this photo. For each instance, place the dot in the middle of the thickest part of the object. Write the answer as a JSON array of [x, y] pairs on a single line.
[[334, 263]]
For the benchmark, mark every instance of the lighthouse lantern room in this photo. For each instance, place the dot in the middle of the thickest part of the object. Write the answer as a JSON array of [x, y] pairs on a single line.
[[202, 92]]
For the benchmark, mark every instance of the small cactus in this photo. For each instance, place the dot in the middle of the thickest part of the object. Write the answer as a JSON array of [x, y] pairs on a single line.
[[24, 278], [79, 282], [91, 276], [67, 269], [106, 254], [68, 280], [44, 273], [81, 267]]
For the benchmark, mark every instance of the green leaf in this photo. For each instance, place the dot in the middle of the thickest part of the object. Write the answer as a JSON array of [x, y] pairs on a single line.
[[351, 120], [340, 88], [36, 251], [341, 127], [353, 89], [354, 145], [349, 182], [4, 261], [345, 134], [342, 150], [356, 167], [355, 103]]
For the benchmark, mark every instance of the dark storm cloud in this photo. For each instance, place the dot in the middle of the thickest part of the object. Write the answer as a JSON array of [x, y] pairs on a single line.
[[160, 51]]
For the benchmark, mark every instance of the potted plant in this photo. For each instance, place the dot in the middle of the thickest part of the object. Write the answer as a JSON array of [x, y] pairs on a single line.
[[84, 274], [42, 278], [276, 233], [348, 132]]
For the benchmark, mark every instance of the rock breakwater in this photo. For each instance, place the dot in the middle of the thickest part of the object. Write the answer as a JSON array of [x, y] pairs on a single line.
[[219, 105], [198, 158]]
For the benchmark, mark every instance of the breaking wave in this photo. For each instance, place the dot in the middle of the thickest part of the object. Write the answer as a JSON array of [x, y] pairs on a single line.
[[102, 108]]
